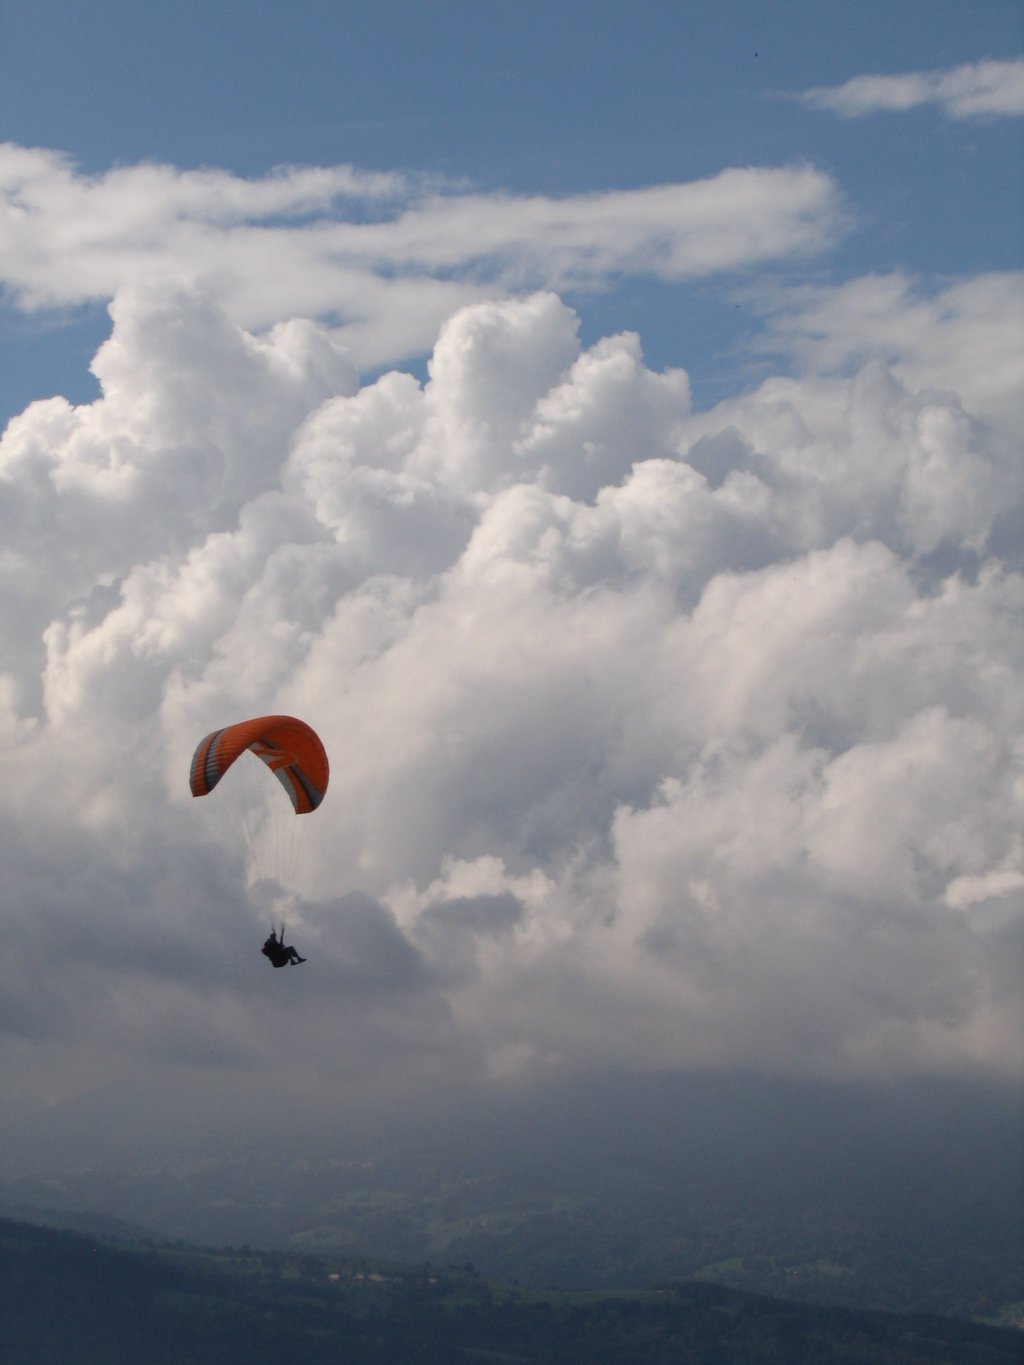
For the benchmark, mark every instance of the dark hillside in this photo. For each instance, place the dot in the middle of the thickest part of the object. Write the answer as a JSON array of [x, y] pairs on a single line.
[[78, 1301]]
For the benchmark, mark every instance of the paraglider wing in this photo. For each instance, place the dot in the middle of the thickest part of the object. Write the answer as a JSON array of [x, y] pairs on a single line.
[[290, 748]]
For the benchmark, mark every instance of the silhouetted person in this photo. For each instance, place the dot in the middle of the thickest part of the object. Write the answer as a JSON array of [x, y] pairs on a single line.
[[280, 954]]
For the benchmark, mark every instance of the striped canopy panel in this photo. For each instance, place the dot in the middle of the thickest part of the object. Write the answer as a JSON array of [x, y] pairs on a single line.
[[290, 748]]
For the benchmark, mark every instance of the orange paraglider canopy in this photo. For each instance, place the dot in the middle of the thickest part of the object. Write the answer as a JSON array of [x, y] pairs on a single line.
[[290, 748]]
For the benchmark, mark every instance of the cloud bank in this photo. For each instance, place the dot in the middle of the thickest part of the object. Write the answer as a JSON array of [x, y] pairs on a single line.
[[386, 258], [659, 738], [975, 90]]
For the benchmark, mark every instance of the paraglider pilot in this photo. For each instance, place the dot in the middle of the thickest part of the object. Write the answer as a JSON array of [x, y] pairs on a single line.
[[279, 953]]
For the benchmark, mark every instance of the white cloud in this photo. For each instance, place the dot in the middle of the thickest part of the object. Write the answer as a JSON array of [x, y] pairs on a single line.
[[961, 347], [387, 258], [658, 737], [989, 89]]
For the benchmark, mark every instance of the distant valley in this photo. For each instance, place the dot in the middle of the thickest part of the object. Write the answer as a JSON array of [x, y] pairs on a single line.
[[91, 1301], [864, 1198]]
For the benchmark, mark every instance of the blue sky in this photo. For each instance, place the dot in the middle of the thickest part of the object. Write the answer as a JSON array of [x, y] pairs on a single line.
[[528, 98], [603, 423]]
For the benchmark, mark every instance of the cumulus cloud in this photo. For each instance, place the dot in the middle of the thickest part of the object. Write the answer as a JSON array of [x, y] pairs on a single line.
[[989, 89], [966, 338], [659, 737], [385, 257]]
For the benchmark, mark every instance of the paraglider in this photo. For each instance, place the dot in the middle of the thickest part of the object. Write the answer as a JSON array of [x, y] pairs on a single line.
[[280, 954], [294, 753]]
